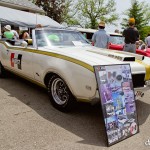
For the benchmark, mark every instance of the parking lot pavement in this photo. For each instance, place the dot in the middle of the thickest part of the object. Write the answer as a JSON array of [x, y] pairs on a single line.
[[29, 122]]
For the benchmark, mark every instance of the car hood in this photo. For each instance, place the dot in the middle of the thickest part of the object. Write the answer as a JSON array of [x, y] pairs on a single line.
[[98, 56]]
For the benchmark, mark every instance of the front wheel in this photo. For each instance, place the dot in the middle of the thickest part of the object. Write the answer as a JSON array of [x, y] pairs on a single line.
[[2, 71], [60, 95]]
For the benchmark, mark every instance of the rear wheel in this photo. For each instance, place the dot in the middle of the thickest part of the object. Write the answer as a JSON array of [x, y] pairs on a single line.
[[59, 93], [2, 71]]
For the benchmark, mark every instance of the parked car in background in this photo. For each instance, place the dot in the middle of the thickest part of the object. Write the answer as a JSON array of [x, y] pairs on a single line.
[[116, 41], [88, 33]]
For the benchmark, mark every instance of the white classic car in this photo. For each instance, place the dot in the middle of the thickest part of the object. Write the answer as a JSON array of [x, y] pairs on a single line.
[[62, 61]]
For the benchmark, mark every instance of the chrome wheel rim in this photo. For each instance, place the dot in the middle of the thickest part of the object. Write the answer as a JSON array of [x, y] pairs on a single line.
[[59, 91]]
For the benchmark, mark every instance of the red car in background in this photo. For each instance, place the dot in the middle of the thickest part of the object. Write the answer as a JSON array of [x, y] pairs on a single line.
[[116, 41], [145, 52]]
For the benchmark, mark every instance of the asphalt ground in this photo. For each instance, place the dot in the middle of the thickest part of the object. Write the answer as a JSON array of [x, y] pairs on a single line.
[[29, 122]]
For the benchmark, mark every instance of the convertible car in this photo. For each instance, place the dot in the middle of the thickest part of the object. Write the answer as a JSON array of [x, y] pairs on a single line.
[[63, 61]]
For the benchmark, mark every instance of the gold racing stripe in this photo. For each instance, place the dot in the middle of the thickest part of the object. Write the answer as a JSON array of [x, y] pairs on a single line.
[[147, 68], [85, 65], [52, 54]]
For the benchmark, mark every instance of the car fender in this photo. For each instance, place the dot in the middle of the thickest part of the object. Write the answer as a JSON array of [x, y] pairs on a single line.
[[80, 80]]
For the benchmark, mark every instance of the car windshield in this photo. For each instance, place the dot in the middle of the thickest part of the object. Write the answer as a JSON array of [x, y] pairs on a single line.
[[114, 39], [59, 38]]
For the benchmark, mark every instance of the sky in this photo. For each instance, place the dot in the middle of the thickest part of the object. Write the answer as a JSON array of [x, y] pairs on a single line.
[[121, 6]]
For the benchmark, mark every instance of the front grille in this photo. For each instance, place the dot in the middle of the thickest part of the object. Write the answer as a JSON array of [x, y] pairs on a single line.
[[138, 80]]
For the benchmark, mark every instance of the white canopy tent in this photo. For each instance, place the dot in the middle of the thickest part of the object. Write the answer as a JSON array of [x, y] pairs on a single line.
[[25, 19]]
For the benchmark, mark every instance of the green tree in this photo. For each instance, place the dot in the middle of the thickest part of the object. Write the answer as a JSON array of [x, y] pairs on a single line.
[[54, 9], [141, 13], [69, 13], [59, 10], [90, 12], [145, 31]]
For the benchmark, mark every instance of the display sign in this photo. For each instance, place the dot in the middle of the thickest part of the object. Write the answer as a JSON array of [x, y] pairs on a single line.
[[117, 101]]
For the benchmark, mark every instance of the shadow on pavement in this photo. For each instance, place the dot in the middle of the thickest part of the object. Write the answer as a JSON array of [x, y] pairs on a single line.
[[143, 110], [85, 121]]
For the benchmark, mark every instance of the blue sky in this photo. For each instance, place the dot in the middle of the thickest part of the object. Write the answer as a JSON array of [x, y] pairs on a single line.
[[121, 6]]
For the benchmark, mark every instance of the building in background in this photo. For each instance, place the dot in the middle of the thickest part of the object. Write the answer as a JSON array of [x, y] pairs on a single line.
[[23, 5], [23, 15]]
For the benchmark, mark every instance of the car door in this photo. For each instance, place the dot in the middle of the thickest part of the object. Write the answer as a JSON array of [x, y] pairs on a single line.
[[18, 59], [23, 62]]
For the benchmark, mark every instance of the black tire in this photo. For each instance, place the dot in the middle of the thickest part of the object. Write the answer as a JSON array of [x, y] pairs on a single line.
[[60, 95], [2, 71]]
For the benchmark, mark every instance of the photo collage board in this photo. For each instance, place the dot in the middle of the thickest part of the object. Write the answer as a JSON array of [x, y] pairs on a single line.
[[117, 101]]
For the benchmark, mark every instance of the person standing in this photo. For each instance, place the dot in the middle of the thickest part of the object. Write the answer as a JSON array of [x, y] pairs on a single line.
[[25, 35], [16, 35], [39, 26], [8, 34], [100, 38], [131, 35], [147, 41], [117, 31]]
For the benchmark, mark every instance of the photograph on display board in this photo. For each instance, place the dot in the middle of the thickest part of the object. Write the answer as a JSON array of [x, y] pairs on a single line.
[[117, 101], [106, 93], [103, 77], [126, 73]]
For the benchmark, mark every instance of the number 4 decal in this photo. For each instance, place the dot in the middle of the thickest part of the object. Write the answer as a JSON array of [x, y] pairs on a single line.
[[16, 61]]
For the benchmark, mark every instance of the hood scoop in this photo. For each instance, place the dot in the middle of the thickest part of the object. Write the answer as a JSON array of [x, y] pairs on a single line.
[[114, 55], [129, 59], [121, 58]]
